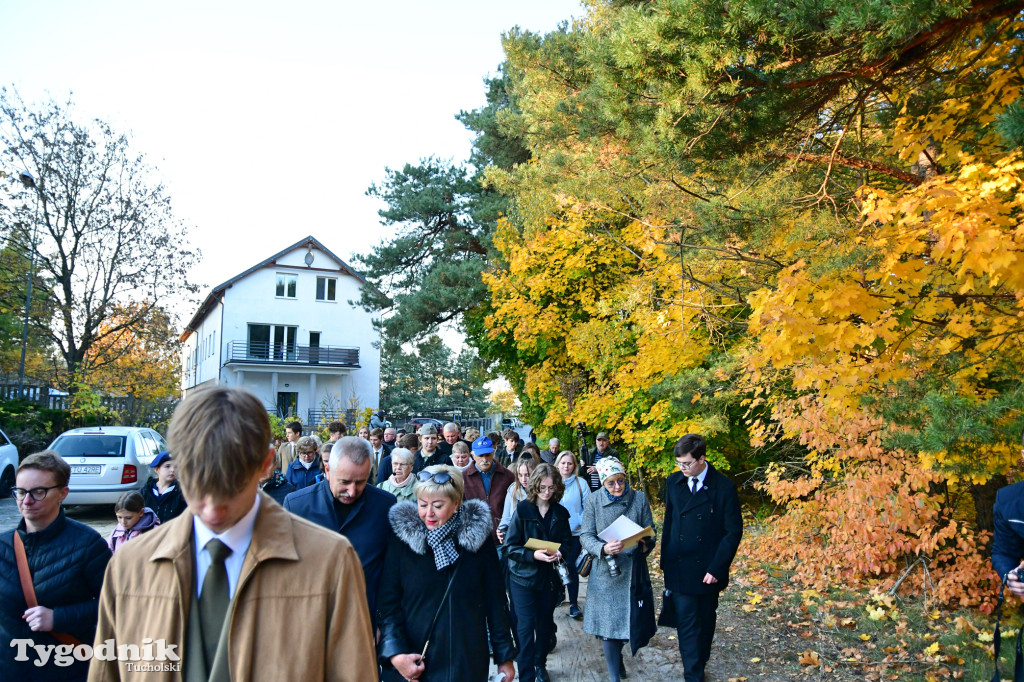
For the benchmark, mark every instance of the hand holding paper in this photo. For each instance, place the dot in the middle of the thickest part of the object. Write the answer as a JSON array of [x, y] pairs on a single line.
[[543, 550], [625, 530]]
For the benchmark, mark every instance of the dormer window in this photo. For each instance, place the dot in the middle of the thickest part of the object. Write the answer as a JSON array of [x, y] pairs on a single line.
[[286, 285], [326, 288]]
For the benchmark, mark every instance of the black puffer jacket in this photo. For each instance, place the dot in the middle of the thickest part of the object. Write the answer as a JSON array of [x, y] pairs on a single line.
[[278, 487], [526, 523], [166, 506], [67, 560], [411, 593]]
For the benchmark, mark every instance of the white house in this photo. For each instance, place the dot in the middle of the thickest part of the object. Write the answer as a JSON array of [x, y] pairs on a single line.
[[285, 330]]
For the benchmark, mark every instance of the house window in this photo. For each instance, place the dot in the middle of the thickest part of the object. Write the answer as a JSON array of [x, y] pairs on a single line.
[[286, 285], [326, 288], [272, 342]]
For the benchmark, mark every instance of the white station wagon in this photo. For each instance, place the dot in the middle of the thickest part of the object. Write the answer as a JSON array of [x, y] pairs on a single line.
[[107, 461]]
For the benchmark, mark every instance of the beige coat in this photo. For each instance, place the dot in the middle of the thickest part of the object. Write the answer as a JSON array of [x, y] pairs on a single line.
[[299, 610]]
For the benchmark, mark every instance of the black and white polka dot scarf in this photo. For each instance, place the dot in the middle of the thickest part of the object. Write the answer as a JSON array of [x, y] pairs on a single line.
[[442, 542]]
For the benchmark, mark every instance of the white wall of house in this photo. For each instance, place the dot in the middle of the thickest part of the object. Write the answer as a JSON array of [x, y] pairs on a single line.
[[254, 300], [202, 351]]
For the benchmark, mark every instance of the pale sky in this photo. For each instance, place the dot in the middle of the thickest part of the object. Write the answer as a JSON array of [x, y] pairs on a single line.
[[268, 121]]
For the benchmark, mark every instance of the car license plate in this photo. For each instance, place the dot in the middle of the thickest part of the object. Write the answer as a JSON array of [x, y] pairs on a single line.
[[88, 469]]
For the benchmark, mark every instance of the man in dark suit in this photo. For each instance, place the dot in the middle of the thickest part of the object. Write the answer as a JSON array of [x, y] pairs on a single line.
[[1008, 539], [344, 503], [702, 532]]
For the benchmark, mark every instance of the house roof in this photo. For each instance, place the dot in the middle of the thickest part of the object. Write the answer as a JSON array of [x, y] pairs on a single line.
[[218, 290]]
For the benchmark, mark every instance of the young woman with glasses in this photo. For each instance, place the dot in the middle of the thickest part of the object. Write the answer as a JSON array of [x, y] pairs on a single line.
[[536, 585]]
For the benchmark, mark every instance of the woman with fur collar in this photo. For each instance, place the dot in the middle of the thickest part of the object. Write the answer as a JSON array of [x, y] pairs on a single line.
[[441, 588]]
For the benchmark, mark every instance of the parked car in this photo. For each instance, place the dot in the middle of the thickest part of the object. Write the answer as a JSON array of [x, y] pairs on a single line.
[[8, 464], [107, 461], [417, 422], [525, 431]]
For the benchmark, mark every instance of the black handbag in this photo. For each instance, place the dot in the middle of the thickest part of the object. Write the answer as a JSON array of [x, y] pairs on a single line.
[[642, 625], [668, 617], [583, 563]]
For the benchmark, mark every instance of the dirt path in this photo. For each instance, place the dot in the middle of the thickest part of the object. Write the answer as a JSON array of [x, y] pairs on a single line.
[[740, 637]]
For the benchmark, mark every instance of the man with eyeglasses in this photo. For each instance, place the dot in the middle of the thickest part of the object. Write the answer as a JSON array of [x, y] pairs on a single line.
[[65, 564], [344, 503], [702, 532]]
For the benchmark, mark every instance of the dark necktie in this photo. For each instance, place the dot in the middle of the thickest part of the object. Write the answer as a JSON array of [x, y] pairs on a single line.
[[215, 597], [693, 485]]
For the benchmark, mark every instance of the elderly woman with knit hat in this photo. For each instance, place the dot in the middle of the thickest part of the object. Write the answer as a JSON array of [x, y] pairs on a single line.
[[606, 593]]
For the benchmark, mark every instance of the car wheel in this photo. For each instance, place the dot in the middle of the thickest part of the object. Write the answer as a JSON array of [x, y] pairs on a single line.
[[7, 481]]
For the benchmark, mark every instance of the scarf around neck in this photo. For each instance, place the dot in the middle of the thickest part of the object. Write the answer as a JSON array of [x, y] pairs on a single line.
[[616, 498], [442, 542], [407, 481]]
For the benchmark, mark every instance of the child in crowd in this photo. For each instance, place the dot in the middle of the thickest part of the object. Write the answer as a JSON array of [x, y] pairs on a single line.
[[162, 493], [133, 518]]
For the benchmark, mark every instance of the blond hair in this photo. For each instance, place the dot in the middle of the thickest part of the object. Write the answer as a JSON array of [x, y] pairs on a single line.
[[453, 489]]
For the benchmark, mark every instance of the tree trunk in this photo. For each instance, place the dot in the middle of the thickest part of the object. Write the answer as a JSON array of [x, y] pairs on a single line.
[[984, 497]]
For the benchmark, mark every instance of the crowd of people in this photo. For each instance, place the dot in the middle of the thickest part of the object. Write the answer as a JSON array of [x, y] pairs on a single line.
[[403, 556]]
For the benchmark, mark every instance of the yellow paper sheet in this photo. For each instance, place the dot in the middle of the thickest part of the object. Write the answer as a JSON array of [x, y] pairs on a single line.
[[632, 540], [535, 544]]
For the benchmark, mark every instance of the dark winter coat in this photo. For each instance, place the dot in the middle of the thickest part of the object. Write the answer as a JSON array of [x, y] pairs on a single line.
[[67, 560], [500, 482], [701, 533], [446, 447], [167, 506], [278, 487], [436, 458], [366, 526], [119, 535], [412, 594], [301, 477], [526, 523], [1008, 540]]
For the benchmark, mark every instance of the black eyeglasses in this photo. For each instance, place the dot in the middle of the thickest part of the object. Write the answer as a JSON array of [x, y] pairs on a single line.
[[37, 493], [440, 477]]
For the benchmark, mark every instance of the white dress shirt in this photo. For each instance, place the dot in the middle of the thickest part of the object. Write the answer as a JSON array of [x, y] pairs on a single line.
[[238, 538], [700, 479]]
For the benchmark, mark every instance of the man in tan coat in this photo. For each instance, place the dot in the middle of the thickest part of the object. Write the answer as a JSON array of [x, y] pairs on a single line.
[[236, 587]]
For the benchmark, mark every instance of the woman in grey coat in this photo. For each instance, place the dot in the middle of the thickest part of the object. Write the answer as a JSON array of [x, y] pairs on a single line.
[[606, 593]]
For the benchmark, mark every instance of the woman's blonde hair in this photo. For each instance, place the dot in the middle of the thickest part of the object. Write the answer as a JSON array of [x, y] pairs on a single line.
[[519, 490], [572, 455], [454, 488]]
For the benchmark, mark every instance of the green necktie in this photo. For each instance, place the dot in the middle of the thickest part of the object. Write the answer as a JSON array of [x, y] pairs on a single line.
[[215, 597]]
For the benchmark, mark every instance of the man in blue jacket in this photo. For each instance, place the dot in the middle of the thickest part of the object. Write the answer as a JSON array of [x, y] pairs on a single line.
[[343, 502], [702, 531], [1008, 539]]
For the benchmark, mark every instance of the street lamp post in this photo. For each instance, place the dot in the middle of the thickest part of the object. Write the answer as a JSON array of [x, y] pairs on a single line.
[[29, 182]]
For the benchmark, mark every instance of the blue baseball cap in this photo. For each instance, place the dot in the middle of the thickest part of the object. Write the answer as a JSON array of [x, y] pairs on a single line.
[[483, 446], [164, 456]]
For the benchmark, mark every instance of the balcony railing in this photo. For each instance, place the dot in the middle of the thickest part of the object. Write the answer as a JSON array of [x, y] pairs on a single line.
[[284, 354]]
